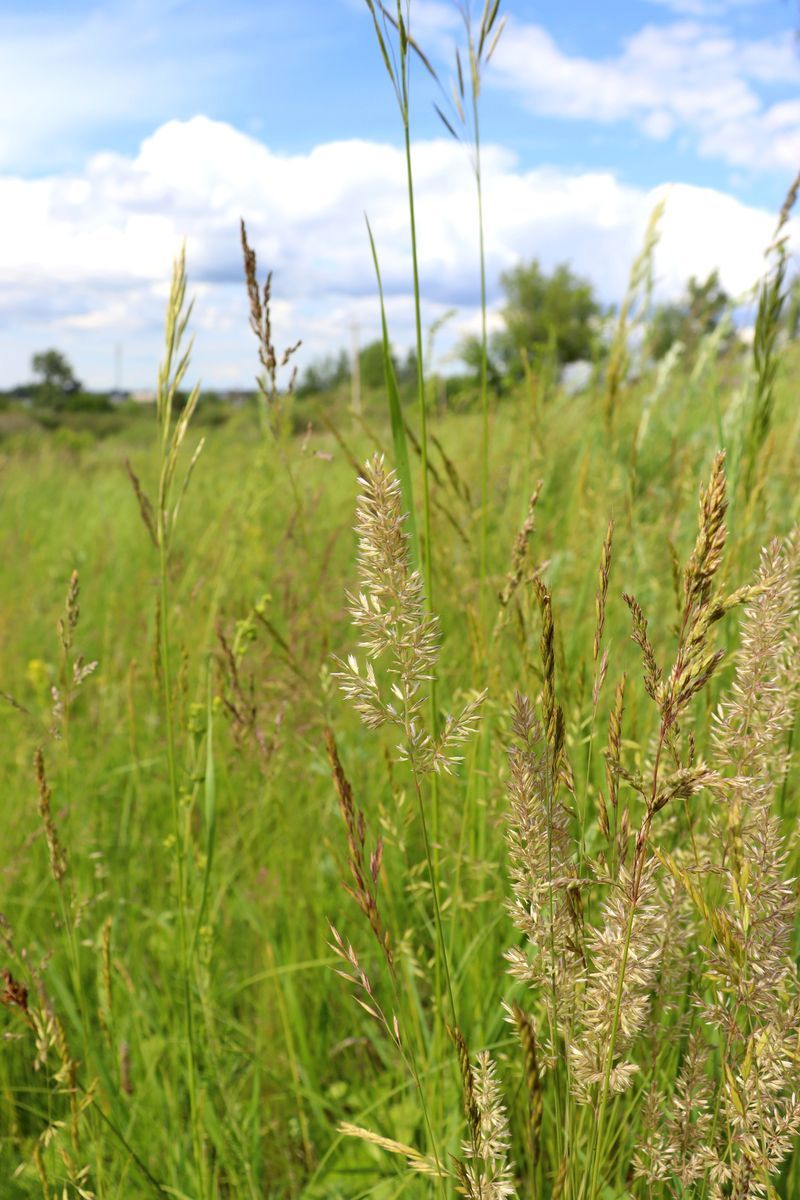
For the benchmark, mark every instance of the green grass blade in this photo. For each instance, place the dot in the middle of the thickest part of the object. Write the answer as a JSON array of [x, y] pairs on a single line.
[[402, 464], [210, 813]]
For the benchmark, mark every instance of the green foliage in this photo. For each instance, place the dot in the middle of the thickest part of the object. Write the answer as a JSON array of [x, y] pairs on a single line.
[[325, 374], [558, 310], [470, 353], [371, 365], [691, 319], [57, 382], [667, 327]]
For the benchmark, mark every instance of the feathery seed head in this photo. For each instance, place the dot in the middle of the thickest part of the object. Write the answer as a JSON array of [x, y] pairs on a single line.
[[390, 614]]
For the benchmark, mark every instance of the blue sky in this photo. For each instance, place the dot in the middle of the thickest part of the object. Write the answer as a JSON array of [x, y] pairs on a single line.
[[137, 124]]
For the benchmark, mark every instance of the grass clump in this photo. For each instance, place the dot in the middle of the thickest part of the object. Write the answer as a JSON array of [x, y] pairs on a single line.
[[644, 935]]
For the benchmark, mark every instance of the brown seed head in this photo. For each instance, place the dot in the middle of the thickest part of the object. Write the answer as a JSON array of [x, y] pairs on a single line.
[[58, 857], [14, 994], [602, 590]]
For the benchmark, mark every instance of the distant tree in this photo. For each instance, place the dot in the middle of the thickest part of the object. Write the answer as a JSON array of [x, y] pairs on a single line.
[[697, 313], [56, 378], [406, 370], [707, 303], [558, 311], [470, 353], [325, 374], [667, 325], [371, 363]]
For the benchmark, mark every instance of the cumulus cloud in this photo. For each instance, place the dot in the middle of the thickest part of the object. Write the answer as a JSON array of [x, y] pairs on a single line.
[[84, 259], [690, 76]]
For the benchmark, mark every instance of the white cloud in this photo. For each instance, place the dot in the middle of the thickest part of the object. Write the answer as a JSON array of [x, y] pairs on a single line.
[[688, 76], [84, 259], [433, 19]]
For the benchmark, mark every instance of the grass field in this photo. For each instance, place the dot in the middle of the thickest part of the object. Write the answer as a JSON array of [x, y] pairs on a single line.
[[257, 576], [453, 855]]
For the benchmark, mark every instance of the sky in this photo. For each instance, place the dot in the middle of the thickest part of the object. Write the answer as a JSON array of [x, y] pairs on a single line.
[[135, 125]]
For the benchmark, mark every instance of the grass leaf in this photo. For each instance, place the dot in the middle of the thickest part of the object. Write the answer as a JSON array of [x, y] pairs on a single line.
[[395, 410]]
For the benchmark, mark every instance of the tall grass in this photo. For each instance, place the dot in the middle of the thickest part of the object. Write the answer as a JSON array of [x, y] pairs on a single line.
[[479, 49], [567, 919]]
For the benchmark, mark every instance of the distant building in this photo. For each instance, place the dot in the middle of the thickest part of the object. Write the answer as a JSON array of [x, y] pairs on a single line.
[[576, 376]]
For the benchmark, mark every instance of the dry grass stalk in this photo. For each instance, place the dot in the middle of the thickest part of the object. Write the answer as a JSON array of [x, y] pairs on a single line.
[[601, 598], [483, 1172], [239, 698], [125, 1081], [74, 671], [260, 300], [602, 590], [415, 1160], [364, 874], [753, 971], [675, 1150], [526, 1032], [624, 954], [53, 1058], [105, 1009], [471, 1111], [542, 878], [519, 552], [57, 853], [486, 1167], [143, 500], [652, 671], [610, 977], [364, 994], [608, 810], [752, 992], [69, 622], [553, 714]]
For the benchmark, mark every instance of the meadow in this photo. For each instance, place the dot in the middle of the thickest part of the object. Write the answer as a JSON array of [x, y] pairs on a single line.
[[452, 855]]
